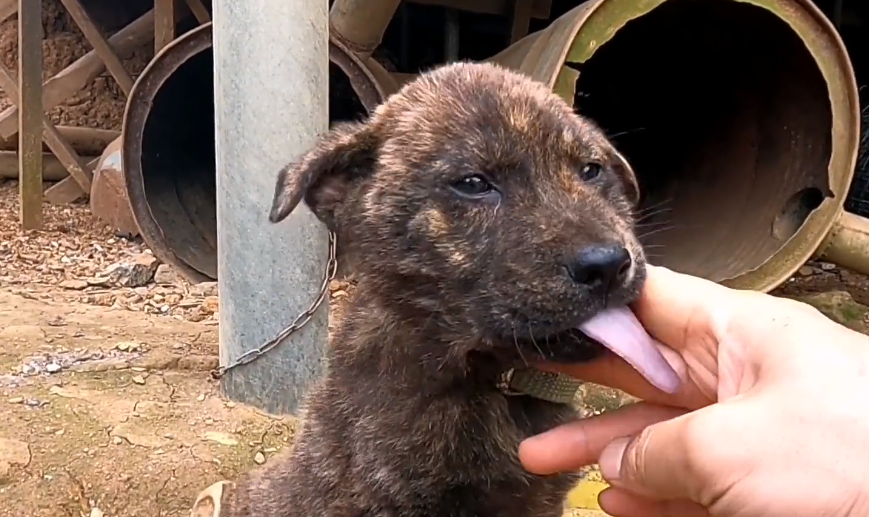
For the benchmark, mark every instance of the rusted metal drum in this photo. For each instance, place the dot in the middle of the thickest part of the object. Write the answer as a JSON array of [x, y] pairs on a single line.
[[741, 119], [168, 147]]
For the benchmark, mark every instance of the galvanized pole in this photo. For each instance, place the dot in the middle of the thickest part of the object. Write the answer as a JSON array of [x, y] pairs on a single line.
[[271, 86]]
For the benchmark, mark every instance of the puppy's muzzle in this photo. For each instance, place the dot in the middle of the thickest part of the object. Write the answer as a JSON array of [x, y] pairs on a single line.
[[601, 267]]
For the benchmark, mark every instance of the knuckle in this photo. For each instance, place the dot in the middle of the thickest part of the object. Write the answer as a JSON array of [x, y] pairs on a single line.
[[634, 462], [677, 449]]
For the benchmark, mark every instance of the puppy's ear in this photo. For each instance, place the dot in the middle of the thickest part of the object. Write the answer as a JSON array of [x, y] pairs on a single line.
[[625, 172], [345, 154]]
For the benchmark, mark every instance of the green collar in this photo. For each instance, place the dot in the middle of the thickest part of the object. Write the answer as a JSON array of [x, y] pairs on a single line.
[[549, 386]]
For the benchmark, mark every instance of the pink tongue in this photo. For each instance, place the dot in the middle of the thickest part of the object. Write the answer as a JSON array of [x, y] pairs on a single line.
[[621, 331]]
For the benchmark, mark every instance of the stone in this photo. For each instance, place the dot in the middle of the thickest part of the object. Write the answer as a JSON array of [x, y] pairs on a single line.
[[14, 452], [259, 458], [204, 289], [221, 438], [211, 304], [165, 275], [127, 346], [135, 272], [5, 473], [840, 307], [74, 285], [127, 432], [108, 199], [806, 271]]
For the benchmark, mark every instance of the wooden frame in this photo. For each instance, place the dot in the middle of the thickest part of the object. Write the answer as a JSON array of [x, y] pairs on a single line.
[[166, 15], [28, 94], [31, 98]]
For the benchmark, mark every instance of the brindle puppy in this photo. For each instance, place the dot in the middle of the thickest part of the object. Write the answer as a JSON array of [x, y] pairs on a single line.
[[489, 220]]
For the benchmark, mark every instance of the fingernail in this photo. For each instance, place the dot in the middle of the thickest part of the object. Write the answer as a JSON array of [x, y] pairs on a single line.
[[611, 459]]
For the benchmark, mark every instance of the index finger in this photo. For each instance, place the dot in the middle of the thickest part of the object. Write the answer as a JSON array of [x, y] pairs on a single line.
[[580, 443], [675, 307]]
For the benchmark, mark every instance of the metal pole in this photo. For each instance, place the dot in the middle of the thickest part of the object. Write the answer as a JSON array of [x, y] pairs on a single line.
[[271, 85]]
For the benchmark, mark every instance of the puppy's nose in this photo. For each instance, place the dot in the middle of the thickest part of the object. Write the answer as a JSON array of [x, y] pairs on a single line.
[[600, 266]]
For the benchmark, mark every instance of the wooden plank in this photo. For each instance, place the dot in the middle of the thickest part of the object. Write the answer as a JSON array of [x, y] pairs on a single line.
[[52, 168], [70, 159], [67, 190], [76, 167], [29, 97], [76, 76], [199, 11], [541, 9], [83, 139], [164, 23], [100, 45], [8, 8], [521, 20]]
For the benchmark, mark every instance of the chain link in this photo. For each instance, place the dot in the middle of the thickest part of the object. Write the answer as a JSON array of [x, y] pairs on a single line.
[[300, 321]]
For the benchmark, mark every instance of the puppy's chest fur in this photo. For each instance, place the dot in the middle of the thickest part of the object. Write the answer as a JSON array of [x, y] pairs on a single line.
[[415, 443]]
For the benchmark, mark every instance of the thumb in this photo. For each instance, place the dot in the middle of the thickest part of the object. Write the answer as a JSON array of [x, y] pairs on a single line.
[[667, 460]]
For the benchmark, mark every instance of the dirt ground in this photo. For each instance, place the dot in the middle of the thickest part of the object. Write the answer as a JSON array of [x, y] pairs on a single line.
[[107, 404]]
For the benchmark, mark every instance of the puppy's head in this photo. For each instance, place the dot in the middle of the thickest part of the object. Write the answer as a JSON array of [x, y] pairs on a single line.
[[477, 194]]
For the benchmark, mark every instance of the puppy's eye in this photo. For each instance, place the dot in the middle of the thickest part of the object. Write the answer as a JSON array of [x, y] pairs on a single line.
[[473, 185], [590, 171]]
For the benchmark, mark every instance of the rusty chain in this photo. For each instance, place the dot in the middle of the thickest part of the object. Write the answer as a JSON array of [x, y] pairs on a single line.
[[300, 321]]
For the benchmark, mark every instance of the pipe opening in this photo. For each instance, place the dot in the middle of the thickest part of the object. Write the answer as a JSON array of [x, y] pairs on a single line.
[[177, 160], [178, 164], [726, 119]]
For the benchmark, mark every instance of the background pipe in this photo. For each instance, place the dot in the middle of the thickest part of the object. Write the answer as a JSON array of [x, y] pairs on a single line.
[[745, 156], [168, 143], [359, 24], [357, 28]]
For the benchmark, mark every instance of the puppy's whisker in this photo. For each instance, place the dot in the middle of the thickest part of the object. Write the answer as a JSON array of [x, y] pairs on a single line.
[[534, 341], [613, 136], [650, 212], [549, 346], [654, 206], [653, 232], [648, 215], [651, 226], [518, 347]]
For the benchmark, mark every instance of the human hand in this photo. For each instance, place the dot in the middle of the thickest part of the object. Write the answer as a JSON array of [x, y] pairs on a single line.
[[772, 418]]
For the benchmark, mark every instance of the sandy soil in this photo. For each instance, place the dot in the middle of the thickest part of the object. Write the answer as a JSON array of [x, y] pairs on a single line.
[[106, 399]]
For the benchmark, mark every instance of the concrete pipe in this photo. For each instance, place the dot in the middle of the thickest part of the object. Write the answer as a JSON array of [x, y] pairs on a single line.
[[360, 24], [168, 146], [741, 118]]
